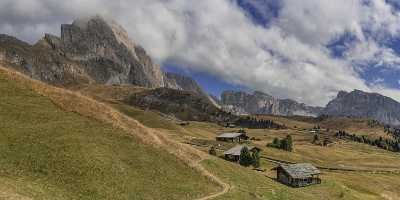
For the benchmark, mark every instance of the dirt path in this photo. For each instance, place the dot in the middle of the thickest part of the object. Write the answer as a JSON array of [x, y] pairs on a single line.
[[225, 186]]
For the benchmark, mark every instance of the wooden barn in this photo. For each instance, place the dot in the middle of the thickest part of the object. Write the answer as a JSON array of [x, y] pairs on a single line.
[[234, 153], [298, 175], [232, 137]]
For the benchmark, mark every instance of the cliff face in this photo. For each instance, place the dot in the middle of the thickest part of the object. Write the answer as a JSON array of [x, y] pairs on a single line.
[[261, 103], [108, 55], [180, 82], [366, 105], [90, 50]]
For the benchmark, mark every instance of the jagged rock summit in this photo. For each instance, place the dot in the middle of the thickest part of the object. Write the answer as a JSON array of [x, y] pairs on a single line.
[[366, 105], [90, 50], [108, 54], [243, 103]]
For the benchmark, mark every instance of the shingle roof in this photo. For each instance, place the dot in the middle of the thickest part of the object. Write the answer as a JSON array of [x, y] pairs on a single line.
[[229, 135], [302, 170], [236, 150]]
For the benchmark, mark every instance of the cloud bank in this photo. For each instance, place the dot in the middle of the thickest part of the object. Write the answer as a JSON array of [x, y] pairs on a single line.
[[289, 57]]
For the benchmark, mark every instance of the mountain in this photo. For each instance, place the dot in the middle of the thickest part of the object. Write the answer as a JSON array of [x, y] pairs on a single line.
[[243, 103], [366, 105], [90, 50]]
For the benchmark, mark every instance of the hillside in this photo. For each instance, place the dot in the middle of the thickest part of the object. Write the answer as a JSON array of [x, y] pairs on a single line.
[[184, 105], [366, 182], [55, 144]]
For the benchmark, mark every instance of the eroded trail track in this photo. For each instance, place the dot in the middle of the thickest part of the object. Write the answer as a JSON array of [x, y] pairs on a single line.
[[225, 186], [86, 106]]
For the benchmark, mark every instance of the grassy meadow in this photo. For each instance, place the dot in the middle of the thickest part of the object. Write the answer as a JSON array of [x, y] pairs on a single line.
[[49, 153]]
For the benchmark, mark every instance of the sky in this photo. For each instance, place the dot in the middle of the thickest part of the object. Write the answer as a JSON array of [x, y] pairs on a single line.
[[305, 50]]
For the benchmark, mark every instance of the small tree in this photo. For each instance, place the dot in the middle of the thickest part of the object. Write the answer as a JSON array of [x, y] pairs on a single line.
[[212, 151], [246, 158], [256, 159], [316, 138], [276, 142], [283, 144], [289, 145]]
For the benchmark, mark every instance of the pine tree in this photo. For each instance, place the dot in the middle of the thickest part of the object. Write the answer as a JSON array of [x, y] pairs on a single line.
[[316, 138], [256, 159], [289, 142], [245, 157]]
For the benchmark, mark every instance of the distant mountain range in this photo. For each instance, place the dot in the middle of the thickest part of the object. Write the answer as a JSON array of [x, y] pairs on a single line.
[[242, 103], [98, 51], [347, 104]]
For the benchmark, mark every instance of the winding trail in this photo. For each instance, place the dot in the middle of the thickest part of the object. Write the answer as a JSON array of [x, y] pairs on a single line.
[[225, 186]]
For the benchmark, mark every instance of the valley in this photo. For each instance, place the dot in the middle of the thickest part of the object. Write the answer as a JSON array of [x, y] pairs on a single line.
[[374, 172]]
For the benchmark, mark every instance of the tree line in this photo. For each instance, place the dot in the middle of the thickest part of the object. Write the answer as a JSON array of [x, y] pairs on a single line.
[[395, 132], [254, 123], [387, 144]]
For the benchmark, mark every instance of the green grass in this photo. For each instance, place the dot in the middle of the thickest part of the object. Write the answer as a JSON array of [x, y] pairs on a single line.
[[47, 153], [249, 184]]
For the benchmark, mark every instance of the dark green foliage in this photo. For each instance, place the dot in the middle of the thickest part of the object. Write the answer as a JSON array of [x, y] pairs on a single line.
[[254, 123], [316, 138], [256, 159], [212, 151], [289, 143], [387, 144], [284, 144], [246, 159]]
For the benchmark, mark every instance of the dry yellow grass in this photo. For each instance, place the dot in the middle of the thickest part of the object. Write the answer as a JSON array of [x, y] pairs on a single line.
[[75, 102]]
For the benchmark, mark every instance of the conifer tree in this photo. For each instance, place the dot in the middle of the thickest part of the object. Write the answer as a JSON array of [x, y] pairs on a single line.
[[245, 157]]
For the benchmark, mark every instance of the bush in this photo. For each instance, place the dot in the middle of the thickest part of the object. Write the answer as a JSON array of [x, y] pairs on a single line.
[[212, 151]]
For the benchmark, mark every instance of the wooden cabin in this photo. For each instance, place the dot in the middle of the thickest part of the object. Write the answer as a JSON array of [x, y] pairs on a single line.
[[233, 154], [232, 137], [298, 175]]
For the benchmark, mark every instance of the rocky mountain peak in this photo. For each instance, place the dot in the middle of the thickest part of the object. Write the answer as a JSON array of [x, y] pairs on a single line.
[[341, 94], [261, 103], [365, 105], [109, 54]]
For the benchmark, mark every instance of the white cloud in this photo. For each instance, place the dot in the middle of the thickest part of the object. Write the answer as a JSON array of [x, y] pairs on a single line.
[[287, 59]]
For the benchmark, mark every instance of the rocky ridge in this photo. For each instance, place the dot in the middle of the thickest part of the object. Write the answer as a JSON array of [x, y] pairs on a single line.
[[242, 103]]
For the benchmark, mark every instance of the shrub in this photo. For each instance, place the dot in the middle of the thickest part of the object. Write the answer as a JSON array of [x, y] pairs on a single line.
[[212, 151]]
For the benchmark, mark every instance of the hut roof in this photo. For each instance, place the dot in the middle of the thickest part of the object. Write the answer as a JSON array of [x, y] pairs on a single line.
[[302, 170], [237, 149], [230, 135]]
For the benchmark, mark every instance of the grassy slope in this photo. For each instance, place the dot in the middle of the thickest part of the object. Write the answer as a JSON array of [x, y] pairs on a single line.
[[48, 153], [248, 184]]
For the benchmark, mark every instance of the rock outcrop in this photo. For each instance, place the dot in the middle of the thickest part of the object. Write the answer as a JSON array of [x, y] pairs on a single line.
[[90, 50], [108, 55], [242, 103], [365, 105]]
